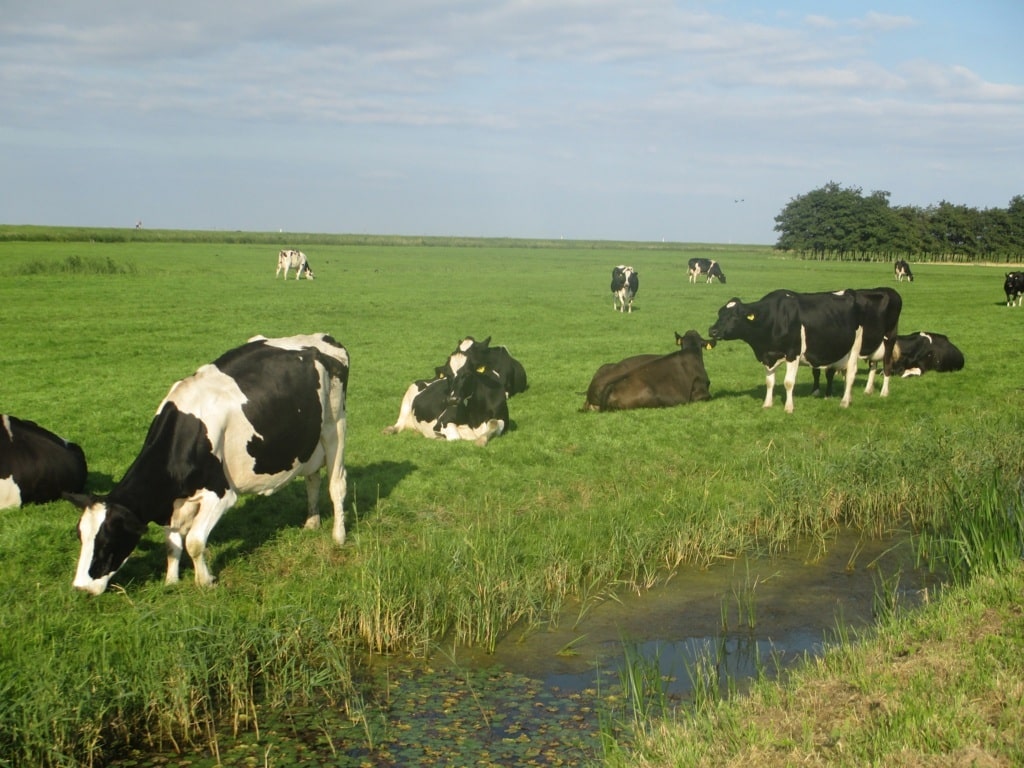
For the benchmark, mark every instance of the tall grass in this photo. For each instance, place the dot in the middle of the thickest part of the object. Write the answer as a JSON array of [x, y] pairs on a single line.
[[449, 543]]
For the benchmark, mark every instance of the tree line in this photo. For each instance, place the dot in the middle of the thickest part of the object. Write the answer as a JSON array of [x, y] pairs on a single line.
[[844, 224]]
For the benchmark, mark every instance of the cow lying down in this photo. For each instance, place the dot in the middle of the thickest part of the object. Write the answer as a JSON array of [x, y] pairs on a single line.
[[653, 381], [36, 466], [249, 422], [468, 397]]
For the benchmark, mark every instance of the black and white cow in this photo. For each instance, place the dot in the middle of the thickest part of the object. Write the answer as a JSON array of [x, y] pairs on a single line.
[[249, 422], [879, 310], [479, 355], [917, 353], [296, 260], [470, 405], [1013, 287], [707, 267], [668, 380], [901, 269], [822, 330], [36, 466], [625, 284]]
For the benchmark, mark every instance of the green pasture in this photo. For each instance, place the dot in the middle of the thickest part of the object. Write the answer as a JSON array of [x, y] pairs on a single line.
[[447, 542]]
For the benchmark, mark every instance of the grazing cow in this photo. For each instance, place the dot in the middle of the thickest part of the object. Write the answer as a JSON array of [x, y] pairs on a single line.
[[293, 260], [625, 283], [901, 270], [36, 466], [481, 355], [673, 379], [1013, 287], [707, 267], [917, 353], [249, 422], [471, 405], [818, 329], [879, 310]]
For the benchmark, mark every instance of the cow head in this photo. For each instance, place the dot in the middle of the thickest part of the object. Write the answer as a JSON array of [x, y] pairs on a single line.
[[693, 341], [109, 533], [732, 319]]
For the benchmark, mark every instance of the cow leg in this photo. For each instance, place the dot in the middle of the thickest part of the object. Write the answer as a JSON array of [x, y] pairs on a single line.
[[211, 508], [851, 367], [181, 522], [312, 501], [769, 386], [792, 367], [404, 412]]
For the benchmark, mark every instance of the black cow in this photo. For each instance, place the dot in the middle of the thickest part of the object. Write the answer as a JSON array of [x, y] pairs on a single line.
[[36, 466], [673, 379], [481, 355], [707, 267], [917, 353], [625, 284], [249, 422], [608, 372], [901, 269], [1013, 287], [879, 309], [823, 330]]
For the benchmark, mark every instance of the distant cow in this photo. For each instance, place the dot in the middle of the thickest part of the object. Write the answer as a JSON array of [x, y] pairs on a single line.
[[480, 354], [36, 466], [1013, 286], [625, 283], [917, 353], [901, 269], [879, 309], [822, 330], [296, 260], [471, 405], [707, 267], [249, 422], [668, 380]]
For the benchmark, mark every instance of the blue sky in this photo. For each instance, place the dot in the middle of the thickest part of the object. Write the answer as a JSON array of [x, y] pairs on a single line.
[[593, 119]]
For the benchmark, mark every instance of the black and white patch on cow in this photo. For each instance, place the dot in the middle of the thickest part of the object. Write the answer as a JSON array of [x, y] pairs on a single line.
[[820, 330], [665, 381], [901, 270], [249, 422], [918, 353], [480, 355], [708, 267], [625, 284], [289, 259], [36, 466], [1013, 287]]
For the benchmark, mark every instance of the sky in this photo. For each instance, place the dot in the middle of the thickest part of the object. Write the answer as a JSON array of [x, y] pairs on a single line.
[[649, 120]]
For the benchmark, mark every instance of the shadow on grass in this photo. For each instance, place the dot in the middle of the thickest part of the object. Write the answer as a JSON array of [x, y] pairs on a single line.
[[254, 520]]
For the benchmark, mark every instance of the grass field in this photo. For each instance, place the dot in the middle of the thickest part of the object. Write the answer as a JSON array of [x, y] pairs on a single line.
[[446, 540]]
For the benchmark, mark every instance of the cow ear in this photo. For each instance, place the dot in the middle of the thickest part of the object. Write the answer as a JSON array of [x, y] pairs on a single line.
[[80, 500]]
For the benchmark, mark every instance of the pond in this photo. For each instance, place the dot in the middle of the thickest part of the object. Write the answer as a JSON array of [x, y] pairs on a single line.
[[545, 696]]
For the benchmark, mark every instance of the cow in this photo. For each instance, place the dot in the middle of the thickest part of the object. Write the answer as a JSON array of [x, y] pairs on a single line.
[[296, 260], [879, 309], [471, 405], [917, 353], [677, 378], [707, 267], [608, 373], [625, 283], [249, 422], [1013, 287], [37, 466], [901, 269], [822, 330], [480, 354]]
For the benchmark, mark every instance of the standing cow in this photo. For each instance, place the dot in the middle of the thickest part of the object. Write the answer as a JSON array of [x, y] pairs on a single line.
[[249, 422], [625, 283], [36, 466], [708, 267], [901, 270], [822, 330], [1013, 287], [296, 260]]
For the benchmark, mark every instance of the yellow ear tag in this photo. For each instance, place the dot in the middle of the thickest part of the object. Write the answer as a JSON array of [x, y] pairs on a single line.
[[750, 317], [481, 369]]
